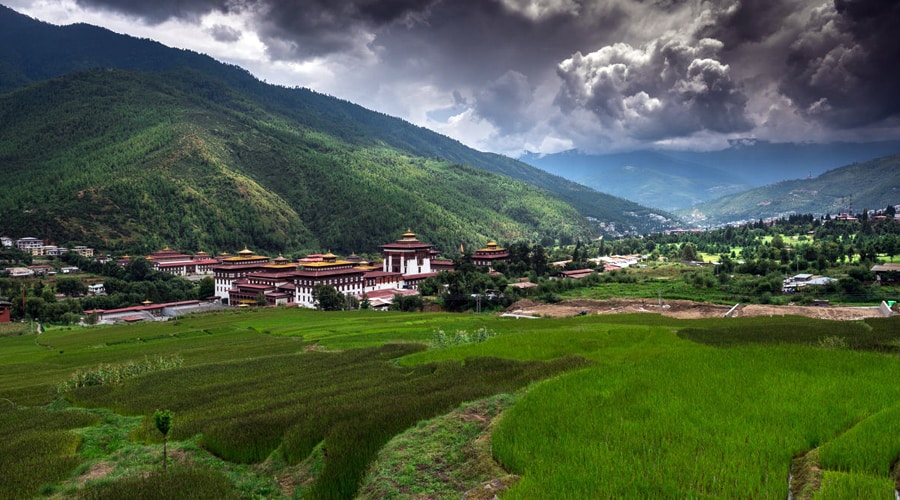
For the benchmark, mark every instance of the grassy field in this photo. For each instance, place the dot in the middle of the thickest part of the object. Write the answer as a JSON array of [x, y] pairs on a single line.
[[305, 404]]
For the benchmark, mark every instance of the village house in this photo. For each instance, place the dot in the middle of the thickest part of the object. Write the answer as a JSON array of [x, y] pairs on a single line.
[[794, 283], [84, 251], [887, 274], [152, 312], [616, 262], [576, 273], [30, 245], [172, 262], [42, 269]]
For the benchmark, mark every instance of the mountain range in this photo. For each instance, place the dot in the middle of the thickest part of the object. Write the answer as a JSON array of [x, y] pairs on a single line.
[[123, 143], [676, 180], [871, 185]]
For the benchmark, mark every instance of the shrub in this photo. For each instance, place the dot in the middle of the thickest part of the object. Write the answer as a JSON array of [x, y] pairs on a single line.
[[439, 338], [116, 374], [833, 342]]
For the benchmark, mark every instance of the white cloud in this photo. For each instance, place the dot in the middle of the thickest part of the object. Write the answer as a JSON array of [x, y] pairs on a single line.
[[539, 9]]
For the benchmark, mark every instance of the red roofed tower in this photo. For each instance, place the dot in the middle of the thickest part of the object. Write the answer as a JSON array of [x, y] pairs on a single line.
[[407, 255]]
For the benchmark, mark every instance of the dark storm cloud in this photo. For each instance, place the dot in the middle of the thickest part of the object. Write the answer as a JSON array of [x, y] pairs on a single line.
[[745, 21], [637, 69], [157, 11], [300, 30], [670, 88], [225, 33], [504, 102], [843, 68]]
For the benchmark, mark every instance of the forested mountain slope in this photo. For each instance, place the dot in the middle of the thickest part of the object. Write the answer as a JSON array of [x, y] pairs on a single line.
[[31, 52], [872, 184], [127, 160]]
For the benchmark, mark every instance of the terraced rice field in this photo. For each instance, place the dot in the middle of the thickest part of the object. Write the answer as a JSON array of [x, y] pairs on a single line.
[[287, 403]]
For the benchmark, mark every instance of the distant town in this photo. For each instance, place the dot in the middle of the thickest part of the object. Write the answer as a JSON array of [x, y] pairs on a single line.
[[250, 279], [247, 278]]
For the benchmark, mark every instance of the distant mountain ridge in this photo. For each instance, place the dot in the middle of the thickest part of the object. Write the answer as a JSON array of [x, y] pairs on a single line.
[[647, 177], [317, 171], [675, 180], [870, 185]]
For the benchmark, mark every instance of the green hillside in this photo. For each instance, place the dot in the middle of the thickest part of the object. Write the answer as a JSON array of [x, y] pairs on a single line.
[[873, 185], [305, 170], [136, 161]]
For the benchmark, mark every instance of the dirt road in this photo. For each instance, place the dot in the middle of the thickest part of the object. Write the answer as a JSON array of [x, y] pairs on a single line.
[[685, 309]]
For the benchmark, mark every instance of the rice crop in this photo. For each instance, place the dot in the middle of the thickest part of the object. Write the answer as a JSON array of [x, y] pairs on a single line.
[[871, 446], [842, 486], [353, 402], [881, 334], [701, 422], [178, 482], [38, 448], [627, 406]]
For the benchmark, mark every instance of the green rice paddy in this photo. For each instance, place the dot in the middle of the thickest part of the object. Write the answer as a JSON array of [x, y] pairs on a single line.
[[289, 403]]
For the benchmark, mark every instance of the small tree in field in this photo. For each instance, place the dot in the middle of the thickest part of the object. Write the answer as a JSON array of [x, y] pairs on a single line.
[[163, 421]]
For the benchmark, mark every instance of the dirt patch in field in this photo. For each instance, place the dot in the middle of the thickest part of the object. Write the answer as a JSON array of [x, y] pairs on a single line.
[[684, 309], [97, 471]]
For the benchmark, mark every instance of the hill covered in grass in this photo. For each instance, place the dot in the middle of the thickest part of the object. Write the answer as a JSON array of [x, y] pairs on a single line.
[[873, 185], [124, 143]]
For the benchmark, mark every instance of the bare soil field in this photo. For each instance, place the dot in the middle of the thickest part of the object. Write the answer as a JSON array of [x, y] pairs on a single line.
[[685, 309]]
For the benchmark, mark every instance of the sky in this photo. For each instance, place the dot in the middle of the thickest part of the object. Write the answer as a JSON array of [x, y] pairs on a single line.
[[544, 76]]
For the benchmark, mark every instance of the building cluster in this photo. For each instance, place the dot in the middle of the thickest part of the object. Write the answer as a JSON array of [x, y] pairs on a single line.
[[37, 248], [248, 278], [38, 270]]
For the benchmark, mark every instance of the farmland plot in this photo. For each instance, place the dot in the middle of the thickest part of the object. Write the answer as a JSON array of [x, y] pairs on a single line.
[[616, 406]]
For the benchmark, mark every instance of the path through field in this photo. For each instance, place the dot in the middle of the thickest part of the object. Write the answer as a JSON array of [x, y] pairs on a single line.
[[685, 309]]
